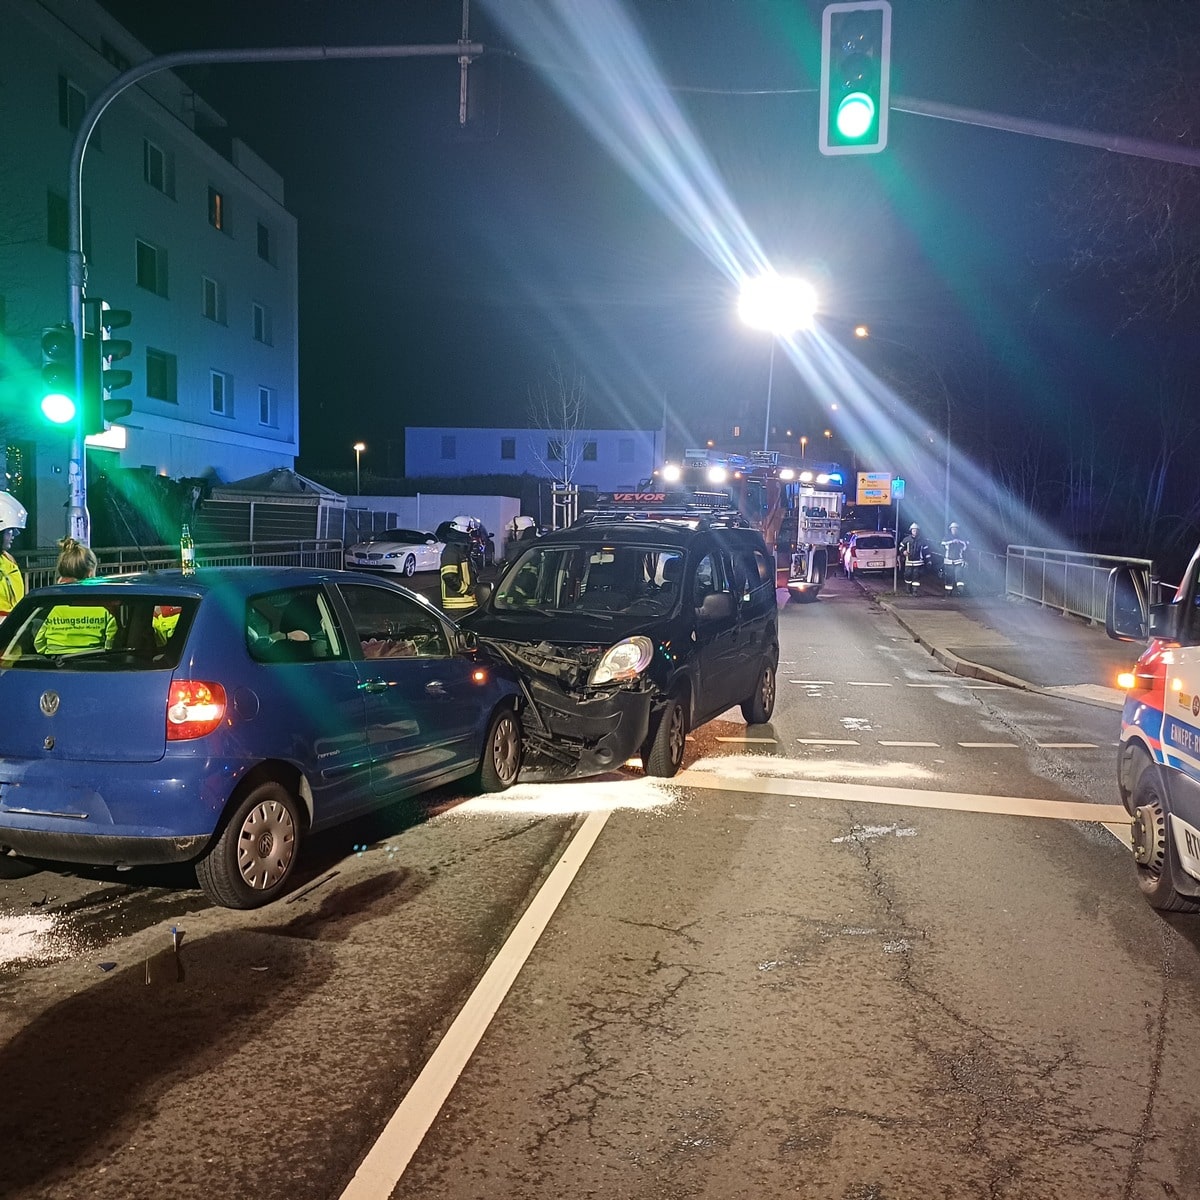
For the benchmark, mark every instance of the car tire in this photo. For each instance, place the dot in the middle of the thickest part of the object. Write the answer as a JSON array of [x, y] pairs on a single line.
[[249, 863], [662, 754], [500, 763], [757, 708], [410, 566], [1133, 762], [1154, 848]]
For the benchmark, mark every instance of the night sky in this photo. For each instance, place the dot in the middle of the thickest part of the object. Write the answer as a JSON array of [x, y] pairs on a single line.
[[442, 271]]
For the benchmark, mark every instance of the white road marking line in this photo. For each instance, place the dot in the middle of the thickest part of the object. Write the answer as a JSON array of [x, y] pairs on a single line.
[[388, 1158], [984, 687], [989, 745], [866, 683], [815, 789], [946, 684], [824, 742], [761, 741], [931, 745], [1068, 745], [813, 682]]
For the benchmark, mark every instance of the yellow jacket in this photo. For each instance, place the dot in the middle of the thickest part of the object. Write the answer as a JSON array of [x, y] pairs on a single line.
[[69, 628], [12, 584]]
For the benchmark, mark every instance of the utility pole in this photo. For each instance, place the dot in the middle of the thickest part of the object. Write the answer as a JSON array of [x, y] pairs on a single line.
[[78, 523]]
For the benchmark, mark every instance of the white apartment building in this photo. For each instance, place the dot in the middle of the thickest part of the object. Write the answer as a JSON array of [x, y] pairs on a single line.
[[196, 243], [607, 460]]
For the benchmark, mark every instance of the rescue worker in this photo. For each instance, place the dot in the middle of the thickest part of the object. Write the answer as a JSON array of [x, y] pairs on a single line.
[[12, 584], [914, 554], [954, 561], [458, 578], [520, 532], [70, 628]]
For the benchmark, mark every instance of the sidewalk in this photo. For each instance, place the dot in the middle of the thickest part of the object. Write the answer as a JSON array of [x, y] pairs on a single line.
[[1014, 643]]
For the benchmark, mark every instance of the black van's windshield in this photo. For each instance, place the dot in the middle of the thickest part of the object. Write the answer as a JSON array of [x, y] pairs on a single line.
[[89, 630], [592, 578]]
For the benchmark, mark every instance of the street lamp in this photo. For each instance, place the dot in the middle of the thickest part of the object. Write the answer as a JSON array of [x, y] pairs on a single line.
[[780, 305], [803, 445], [863, 332], [359, 447]]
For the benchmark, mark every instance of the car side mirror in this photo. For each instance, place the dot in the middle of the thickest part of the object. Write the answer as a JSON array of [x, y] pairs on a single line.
[[468, 641], [1126, 610]]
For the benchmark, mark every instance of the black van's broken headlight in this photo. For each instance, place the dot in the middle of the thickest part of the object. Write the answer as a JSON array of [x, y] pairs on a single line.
[[622, 662]]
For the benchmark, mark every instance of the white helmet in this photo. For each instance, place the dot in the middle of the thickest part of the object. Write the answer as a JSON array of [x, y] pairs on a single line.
[[953, 526], [462, 524], [520, 523], [12, 512], [914, 528]]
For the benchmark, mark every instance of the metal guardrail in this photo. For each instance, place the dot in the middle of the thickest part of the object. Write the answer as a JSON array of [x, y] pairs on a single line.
[[1066, 580], [38, 566]]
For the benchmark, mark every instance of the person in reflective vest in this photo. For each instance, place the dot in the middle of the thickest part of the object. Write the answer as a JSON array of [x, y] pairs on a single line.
[[70, 628], [914, 554], [12, 583], [458, 579], [954, 560]]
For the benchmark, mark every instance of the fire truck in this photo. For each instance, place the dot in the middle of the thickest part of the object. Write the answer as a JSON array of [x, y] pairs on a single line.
[[796, 504]]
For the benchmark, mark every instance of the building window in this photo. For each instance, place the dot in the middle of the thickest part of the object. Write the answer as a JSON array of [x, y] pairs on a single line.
[[213, 300], [589, 451], [264, 242], [56, 223], [216, 209], [262, 324], [554, 451], [266, 406], [625, 450], [72, 104], [151, 267], [222, 393], [449, 446], [114, 56], [158, 168], [508, 448], [161, 374]]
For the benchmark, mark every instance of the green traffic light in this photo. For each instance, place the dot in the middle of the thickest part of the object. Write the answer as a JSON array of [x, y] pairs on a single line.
[[855, 115], [58, 407]]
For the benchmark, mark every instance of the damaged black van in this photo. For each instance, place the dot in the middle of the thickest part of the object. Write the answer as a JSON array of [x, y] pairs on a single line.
[[627, 632]]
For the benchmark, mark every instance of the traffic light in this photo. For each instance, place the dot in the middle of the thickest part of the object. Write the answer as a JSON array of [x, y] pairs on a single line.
[[58, 374], [100, 377], [856, 43]]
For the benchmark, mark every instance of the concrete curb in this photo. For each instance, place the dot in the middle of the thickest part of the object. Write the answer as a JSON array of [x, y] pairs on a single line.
[[972, 670]]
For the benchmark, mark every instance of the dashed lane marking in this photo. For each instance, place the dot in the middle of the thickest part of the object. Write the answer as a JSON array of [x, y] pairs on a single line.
[[1109, 815], [825, 742], [865, 683], [989, 745], [931, 745], [813, 682], [1067, 745], [750, 740]]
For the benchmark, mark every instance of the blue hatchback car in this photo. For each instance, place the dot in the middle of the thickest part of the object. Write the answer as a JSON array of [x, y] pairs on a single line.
[[218, 717]]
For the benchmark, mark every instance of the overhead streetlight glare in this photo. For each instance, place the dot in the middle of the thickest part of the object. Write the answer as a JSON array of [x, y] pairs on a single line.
[[860, 331], [855, 115], [777, 303]]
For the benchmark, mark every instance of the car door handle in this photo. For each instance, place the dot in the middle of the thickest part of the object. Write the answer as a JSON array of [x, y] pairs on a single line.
[[373, 685], [435, 687]]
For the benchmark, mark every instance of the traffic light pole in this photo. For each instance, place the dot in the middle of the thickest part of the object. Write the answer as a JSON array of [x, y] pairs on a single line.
[[78, 522]]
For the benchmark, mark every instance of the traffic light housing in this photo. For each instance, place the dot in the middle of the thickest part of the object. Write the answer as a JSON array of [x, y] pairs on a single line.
[[100, 377], [57, 403], [856, 44]]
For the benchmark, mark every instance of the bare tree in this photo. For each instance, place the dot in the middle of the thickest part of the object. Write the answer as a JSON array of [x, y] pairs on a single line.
[[557, 410]]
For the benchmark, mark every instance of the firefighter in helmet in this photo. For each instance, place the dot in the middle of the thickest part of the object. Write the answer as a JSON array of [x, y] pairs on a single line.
[[12, 584], [458, 579]]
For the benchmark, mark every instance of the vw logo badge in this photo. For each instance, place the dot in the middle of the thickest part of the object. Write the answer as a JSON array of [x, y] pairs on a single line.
[[49, 703]]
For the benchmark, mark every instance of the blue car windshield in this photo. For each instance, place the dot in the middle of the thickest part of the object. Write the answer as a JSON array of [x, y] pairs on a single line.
[[89, 630], [592, 577]]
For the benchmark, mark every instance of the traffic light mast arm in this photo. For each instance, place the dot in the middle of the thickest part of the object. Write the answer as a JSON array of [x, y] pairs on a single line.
[[77, 516], [1116, 143]]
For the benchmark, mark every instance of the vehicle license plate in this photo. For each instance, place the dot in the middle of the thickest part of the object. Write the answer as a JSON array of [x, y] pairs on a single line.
[[875, 562]]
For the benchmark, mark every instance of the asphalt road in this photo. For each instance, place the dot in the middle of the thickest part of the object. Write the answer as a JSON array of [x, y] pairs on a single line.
[[876, 951]]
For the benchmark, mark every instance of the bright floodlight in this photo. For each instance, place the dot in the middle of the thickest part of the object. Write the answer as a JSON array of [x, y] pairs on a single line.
[[777, 303], [671, 473]]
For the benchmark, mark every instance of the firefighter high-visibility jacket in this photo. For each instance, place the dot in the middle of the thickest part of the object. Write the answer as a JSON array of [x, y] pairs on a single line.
[[12, 584], [68, 629], [458, 583]]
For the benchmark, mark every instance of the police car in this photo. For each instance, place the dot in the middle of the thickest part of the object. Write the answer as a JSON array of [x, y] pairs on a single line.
[[1158, 764]]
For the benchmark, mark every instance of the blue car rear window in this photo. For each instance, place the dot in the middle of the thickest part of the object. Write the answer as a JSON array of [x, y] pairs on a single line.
[[96, 631]]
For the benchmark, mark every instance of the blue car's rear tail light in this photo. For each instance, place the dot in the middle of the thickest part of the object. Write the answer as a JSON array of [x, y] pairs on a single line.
[[194, 708]]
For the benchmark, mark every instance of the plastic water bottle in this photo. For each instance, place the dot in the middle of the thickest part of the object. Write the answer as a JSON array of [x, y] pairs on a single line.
[[187, 551]]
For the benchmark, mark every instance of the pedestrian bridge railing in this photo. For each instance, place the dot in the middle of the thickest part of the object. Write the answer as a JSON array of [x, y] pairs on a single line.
[[1068, 581], [38, 565]]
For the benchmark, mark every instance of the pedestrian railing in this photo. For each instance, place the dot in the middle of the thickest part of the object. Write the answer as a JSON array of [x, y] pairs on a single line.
[[38, 565], [1066, 580]]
